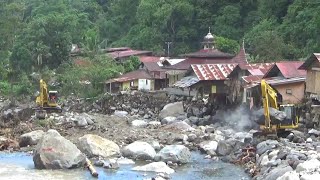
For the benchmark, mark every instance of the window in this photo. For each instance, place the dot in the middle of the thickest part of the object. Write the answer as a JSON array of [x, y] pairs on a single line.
[[146, 81], [288, 91], [132, 83]]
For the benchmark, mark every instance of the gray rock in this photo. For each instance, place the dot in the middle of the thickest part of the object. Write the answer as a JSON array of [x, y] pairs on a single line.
[[309, 166], [266, 145], [159, 167], [314, 132], [94, 145], [156, 145], [168, 120], [172, 109], [290, 175], [139, 123], [224, 148], [80, 121], [110, 164], [192, 137], [194, 120], [174, 153], [209, 129], [182, 126], [206, 146], [154, 123], [31, 138], [314, 176], [139, 150], [55, 152], [121, 113], [278, 172]]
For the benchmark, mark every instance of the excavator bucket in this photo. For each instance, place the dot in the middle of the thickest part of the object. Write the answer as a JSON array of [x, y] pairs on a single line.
[[40, 114]]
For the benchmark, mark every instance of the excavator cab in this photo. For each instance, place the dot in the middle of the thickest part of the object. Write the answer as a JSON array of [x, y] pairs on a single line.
[[291, 121]]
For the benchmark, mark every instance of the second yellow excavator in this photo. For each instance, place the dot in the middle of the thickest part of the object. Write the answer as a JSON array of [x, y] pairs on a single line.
[[46, 101], [269, 98]]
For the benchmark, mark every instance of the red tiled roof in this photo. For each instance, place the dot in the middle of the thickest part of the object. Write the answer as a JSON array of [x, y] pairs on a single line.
[[213, 71], [290, 69], [314, 58], [138, 74], [128, 53]]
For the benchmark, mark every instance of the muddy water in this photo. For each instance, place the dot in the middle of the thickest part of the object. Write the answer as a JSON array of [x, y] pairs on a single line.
[[20, 166]]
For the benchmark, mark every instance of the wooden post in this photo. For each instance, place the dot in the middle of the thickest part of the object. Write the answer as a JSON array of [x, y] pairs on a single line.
[[110, 87], [93, 172]]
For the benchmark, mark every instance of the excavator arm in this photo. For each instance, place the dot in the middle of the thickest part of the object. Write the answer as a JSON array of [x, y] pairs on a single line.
[[269, 99], [42, 99]]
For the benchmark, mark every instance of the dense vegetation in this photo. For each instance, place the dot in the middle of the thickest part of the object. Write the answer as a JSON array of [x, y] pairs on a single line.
[[36, 35]]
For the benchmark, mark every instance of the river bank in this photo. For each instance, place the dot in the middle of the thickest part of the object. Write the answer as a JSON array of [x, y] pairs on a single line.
[[170, 128]]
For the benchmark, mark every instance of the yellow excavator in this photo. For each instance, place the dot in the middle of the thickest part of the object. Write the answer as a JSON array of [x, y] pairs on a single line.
[[46, 101], [270, 99]]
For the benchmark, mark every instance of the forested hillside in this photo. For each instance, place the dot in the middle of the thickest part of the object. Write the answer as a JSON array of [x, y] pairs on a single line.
[[38, 33]]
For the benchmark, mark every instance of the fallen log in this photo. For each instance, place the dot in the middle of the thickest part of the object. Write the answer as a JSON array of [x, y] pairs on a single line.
[[90, 167]]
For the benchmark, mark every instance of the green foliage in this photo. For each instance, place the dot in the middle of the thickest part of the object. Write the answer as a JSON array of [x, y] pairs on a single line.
[[88, 81], [227, 45], [36, 35], [131, 64]]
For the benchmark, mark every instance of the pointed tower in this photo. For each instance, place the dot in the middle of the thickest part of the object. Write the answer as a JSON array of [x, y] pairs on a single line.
[[241, 57], [208, 41]]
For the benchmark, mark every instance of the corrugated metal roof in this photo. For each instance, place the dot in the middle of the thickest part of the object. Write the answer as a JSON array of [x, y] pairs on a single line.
[[184, 65], [138, 74], [213, 71], [186, 82], [314, 58], [290, 69], [251, 78], [257, 68], [277, 81], [127, 53], [209, 53]]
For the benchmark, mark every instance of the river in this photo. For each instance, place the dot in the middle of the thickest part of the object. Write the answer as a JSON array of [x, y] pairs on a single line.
[[20, 166]]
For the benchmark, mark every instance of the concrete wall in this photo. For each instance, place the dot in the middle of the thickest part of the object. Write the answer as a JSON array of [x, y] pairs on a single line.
[[297, 92]]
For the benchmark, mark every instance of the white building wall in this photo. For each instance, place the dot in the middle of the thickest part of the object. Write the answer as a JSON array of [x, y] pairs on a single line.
[[144, 84]]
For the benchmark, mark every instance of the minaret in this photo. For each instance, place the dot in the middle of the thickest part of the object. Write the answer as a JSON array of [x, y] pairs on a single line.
[[208, 41]]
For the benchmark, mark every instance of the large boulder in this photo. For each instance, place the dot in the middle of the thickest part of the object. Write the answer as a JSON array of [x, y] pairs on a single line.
[[172, 109], [313, 176], [159, 167], [31, 138], [139, 150], [224, 148], [94, 145], [174, 153], [55, 152], [278, 172]]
